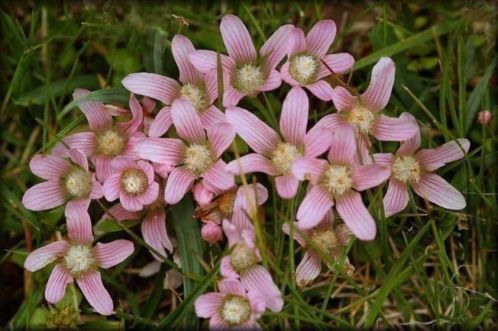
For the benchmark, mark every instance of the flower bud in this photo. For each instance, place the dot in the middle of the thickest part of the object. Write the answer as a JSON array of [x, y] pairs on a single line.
[[484, 117], [162, 169], [211, 232], [202, 195]]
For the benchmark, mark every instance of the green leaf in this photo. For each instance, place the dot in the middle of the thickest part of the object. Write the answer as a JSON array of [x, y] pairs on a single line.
[[106, 225], [410, 42], [40, 95], [191, 248]]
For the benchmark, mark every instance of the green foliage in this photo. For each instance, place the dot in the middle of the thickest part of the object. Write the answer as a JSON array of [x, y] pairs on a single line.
[[427, 266]]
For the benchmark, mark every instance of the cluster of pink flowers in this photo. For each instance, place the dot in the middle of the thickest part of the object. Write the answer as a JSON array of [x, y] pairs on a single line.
[[145, 166]]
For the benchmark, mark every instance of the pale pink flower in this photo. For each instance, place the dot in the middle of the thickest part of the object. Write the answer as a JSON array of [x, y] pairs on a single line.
[[330, 240], [484, 117], [199, 89], [68, 181], [339, 180], [107, 139], [153, 225], [275, 156], [200, 157], [211, 232], [308, 62], [364, 112], [202, 195], [244, 72], [76, 259], [411, 167], [231, 308], [243, 264], [132, 182]]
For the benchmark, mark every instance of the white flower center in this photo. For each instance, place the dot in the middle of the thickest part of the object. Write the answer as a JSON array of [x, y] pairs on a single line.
[[79, 183], [242, 257], [198, 158], [325, 239], [248, 78], [79, 259], [195, 95], [110, 143], [362, 118], [406, 169], [337, 179], [134, 181], [283, 157], [235, 310], [304, 68]]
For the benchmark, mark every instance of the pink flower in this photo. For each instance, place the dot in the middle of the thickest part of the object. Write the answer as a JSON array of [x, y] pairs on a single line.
[[68, 181], [202, 195], [274, 156], [242, 263], [331, 241], [199, 89], [484, 117], [339, 180], [132, 182], [106, 139], [76, 259], [364, 112], [231, 308], [244, 73], [411, 167], [211, 232], [153, 225], [200, 157], [308, 62]]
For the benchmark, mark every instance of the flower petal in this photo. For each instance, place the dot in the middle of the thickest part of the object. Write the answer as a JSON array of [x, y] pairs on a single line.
[[275, 48], [231, 97], [79, 158], [217, 177], [181, 47], [86, 142], [103, 168], [297, 42], [112, 187], [378, 92], [273, 81], [49, 166], [256, 133], [308, 269], [155, 86], [44, 196], [252, 163], [211, 116], [207, 61], [410, 146], [179, 182], [110, 254], [286, 186], [187, 122], [78, 222], [98, 118], [258, 279], [226, 269], [286, 76], [369, 175], [130, 202], [432, 159], [237, 39], [90, 284], [393, 129], [396, 198], [56, 284], [437, 190], [309, 169], [45, 255], [339, 63], [220, 136], [322, 90], [343, 100], [320, 37], [131, 127], [161, 123], [343, 146], [294, 116], [208, 304], [314, 207], [150, 195], [120, 214], [356, 216], [161, 150], [154, 231], [231, 286], [317, 141]]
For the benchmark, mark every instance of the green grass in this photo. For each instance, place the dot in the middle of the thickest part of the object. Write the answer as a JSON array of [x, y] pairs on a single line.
[[428, 267]]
